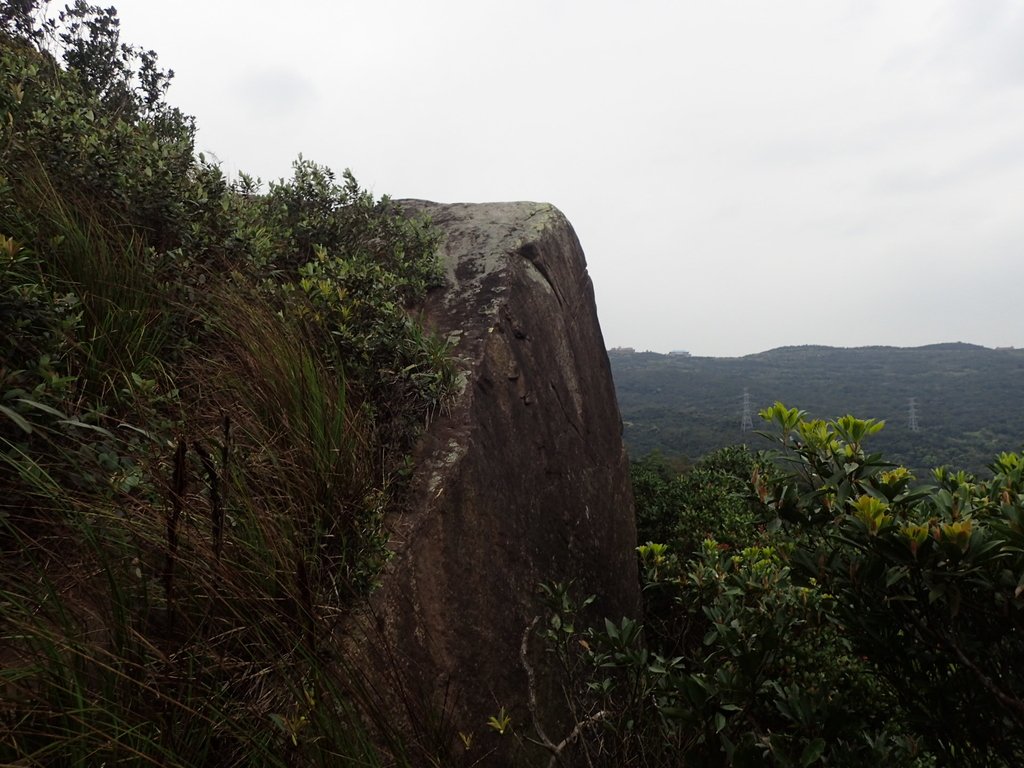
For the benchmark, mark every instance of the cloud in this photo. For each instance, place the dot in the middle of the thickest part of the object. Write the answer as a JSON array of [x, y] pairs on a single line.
[[273, 93], [981, 43], [715, 158]]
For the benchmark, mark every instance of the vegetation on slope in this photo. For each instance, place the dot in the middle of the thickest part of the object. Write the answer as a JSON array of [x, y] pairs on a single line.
[[964, 398], [207, 397], [813, 606]]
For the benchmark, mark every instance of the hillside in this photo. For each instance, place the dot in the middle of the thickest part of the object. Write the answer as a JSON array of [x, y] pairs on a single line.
[[965, 398], [209, 394]]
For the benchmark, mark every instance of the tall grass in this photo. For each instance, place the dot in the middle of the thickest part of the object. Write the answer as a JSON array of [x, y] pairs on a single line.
[[103, 660], [82, 689], [127, 312], [191, 619], [191, 498], [311, 453]]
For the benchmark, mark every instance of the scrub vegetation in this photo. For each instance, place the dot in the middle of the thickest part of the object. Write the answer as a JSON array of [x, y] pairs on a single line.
[[208, 393], [812, 605]]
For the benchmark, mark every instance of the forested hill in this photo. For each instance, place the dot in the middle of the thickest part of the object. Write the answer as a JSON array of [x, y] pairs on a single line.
[[967, 398]]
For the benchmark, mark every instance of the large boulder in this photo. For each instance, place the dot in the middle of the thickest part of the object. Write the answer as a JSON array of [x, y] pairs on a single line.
[[524, 480]]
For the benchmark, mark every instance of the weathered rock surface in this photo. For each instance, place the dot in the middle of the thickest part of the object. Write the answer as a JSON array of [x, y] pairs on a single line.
[[524, 481]]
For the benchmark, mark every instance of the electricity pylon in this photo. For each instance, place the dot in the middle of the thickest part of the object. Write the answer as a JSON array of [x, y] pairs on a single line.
[[912, 416], [747, 423]]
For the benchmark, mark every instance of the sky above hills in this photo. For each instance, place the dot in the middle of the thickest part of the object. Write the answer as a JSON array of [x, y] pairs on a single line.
[[742, 175]]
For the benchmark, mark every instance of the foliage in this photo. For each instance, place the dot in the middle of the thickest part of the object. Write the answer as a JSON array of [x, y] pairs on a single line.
[[360, 266], [673, 508], [928, 580], [207, 397], [737, 664], [855, 617], [124, 78]]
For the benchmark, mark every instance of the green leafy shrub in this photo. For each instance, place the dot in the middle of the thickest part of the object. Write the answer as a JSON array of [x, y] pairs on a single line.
[[754, 669], [864, 618], [838, 613], [927, 579], [710, 499]]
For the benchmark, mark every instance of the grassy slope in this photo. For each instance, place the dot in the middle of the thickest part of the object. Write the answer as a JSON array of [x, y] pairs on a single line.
[[207, 394]]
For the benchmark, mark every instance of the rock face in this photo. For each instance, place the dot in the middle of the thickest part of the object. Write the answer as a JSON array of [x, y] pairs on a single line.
[[524, 481]]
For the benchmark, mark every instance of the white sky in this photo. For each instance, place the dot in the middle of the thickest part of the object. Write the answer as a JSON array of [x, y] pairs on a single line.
[[742, 175]]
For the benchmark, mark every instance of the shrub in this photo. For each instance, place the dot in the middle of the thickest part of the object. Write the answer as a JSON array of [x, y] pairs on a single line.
[[853, 616]]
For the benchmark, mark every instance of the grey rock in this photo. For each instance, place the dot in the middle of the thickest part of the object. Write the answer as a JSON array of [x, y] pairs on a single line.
[[524, 480]]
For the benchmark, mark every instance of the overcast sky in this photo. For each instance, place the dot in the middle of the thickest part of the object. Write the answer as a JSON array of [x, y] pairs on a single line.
[[742, 175]]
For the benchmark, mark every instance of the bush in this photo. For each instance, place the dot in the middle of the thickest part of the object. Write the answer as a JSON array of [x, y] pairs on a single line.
[[838, 613], [927, 580]]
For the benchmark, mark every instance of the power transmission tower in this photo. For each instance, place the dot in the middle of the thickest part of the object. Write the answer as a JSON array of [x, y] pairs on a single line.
[[912, 416], [747, 423]]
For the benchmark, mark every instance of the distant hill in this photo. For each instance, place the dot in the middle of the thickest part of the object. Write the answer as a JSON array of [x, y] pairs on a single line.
[[967, 399]]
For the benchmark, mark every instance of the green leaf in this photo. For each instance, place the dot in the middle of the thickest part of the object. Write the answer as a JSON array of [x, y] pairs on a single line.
[[720, 722], [83, 425], [17, 418], [280, 722], [611, 629], [44, 408], [894, 575], [812, 752], [142, 432]]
